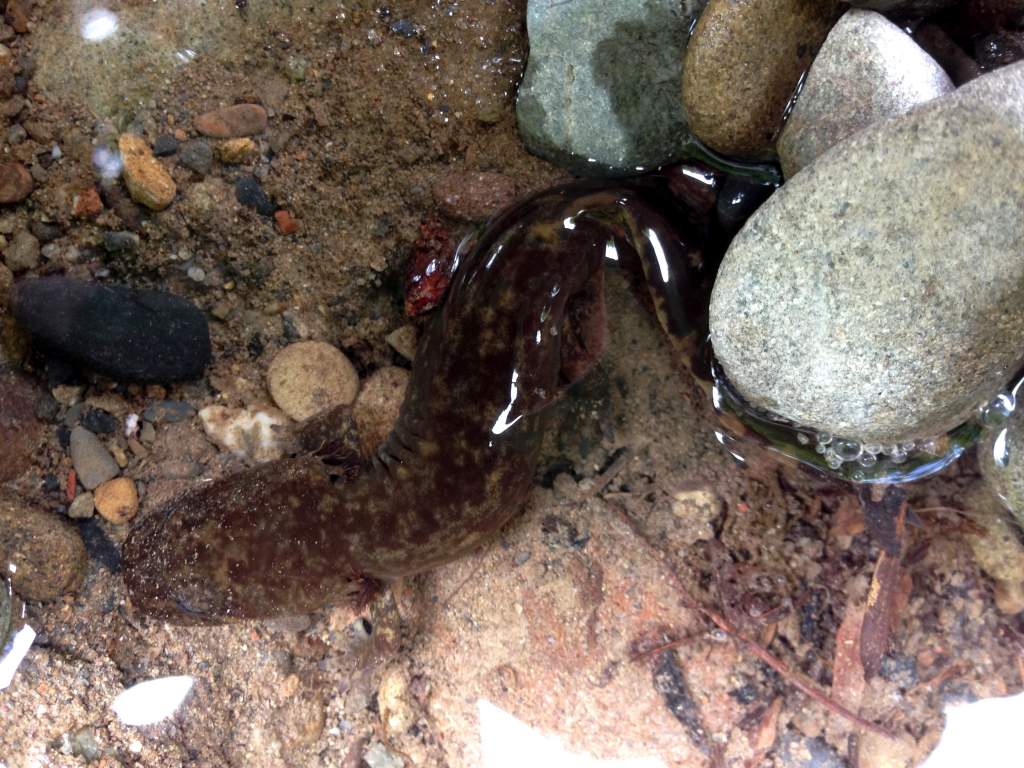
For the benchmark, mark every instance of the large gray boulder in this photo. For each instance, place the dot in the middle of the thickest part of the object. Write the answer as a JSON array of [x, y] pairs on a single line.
[[601, 91], [868, 69], [879, 294]]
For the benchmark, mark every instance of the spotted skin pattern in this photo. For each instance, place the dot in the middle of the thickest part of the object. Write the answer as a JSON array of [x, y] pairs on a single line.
[[523, 319]]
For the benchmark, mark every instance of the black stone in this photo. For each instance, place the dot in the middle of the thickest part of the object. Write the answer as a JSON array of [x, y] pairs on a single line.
[[164, 145], [116, 242], [249, 192], [126, 333], [46, 231], [99, 422]]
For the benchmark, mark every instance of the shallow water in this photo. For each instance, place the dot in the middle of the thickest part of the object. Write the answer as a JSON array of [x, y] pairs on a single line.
[[370, 108]]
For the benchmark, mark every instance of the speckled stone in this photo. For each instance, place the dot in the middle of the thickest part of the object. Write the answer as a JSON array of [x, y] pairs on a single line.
[[879, 294], [868, 69], [742, 66], [600, 94], [92, 461], [148, 182], [309, 377], [47, 553]]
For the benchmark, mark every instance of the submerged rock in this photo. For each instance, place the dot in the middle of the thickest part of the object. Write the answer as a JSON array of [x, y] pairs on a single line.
[[868, 69], [232, 122], [92, 461], [148, 182], [47, 553], [601, 90], [879, 295], [126, 333], [743, 65], [310, 377]]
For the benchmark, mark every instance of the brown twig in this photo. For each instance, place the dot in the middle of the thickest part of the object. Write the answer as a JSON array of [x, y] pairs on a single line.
[[797, 679]]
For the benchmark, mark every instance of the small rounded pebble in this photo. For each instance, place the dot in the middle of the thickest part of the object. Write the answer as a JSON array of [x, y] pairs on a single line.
[[87, 204], [168, 412], [236, 151], [92, 461], [196, 155], [22, 253], [147, 180], [249, 192], [165, 144], [47, 553], [286, 225], [308, 377], [15, 182], [82, 507], [117, 500], [377, 406], [120, 242], [234, 121]]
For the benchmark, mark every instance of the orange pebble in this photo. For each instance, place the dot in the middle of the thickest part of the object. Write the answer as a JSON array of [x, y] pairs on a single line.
[[286, 225]]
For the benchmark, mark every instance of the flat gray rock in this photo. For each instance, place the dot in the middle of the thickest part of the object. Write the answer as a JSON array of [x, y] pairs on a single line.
[[879, 295], [92, 461], [868, 69], [601, 92]]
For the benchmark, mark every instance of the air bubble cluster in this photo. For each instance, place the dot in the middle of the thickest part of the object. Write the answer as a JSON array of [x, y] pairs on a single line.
[[838, 451]]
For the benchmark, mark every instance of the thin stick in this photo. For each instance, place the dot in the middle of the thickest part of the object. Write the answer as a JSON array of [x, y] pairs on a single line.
[[797, 679]]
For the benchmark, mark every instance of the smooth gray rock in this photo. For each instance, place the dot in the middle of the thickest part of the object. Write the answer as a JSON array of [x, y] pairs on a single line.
[[601, 92], [868, 69], [92, 461], [879, 295]]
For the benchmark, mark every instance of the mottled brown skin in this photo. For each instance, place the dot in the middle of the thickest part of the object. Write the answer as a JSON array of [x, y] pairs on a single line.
[[523, 319]]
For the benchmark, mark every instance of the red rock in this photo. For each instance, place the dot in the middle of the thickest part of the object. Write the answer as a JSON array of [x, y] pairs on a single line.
[[15, 182], [286, 225], [234, 121], [87, 204], [430, 266], [473, 196]]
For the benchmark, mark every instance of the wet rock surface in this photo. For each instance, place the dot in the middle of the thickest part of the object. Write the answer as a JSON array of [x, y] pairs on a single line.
[[92, 461], [869, 296], [600, 94], [147, 180], [47, 553], [126, 333], [868, 69], [233, 122], [742, 67], [310, 377]]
